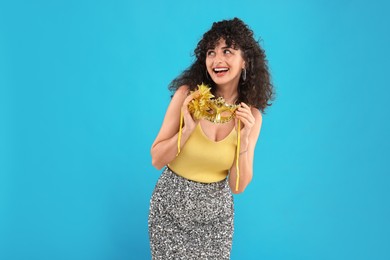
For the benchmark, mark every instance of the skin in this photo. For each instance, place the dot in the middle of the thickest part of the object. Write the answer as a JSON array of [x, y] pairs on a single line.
[[164, 148]]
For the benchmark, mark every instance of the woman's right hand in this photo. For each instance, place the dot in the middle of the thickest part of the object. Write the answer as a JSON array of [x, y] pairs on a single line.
[[189, 122]]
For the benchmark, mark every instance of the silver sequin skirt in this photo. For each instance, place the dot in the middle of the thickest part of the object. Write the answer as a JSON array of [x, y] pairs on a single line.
[[190, 220]]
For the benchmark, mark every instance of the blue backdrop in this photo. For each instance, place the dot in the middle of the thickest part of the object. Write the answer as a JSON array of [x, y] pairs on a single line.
[[83, 91]]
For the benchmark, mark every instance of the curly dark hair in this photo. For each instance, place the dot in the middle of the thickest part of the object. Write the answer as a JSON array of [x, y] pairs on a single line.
[[257, 89]]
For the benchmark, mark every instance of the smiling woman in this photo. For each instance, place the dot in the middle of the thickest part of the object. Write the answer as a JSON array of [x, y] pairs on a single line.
[[224, 64], [191, 210]]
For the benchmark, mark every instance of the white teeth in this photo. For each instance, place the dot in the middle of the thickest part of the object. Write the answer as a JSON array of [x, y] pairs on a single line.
[[220, 69]]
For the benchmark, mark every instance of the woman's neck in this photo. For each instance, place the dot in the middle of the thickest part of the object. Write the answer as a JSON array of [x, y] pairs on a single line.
[[230, 95]]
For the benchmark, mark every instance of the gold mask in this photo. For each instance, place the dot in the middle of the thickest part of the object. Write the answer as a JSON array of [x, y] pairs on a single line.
[[205, 106]]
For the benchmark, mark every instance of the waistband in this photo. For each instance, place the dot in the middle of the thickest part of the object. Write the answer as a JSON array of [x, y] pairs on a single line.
[[218, 183]]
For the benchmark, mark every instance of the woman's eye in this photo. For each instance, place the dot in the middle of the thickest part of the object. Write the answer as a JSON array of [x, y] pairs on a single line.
[[227, 52], [210, 53]]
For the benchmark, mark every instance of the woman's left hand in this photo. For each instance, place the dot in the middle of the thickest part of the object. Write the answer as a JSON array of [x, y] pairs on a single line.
[[244, 114]]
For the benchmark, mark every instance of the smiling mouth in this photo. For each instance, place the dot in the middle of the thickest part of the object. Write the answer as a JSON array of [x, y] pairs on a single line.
[[220, 71]]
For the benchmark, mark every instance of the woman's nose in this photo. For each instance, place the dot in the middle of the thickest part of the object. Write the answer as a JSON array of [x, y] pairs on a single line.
[[218, 58], [216, 61]]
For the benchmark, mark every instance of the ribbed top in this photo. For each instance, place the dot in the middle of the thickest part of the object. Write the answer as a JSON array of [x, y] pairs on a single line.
[[205, 160]]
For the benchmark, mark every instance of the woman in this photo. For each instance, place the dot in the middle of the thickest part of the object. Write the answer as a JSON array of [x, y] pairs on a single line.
[[191, 209]]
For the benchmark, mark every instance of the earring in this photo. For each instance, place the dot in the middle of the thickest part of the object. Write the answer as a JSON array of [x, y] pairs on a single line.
[[243, 74]]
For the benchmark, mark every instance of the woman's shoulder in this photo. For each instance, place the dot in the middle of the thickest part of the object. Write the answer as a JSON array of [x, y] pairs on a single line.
[[256, 112], [181, 92]]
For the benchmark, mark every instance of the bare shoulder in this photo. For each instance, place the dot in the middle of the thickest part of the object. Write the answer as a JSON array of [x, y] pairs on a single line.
[[257, 114], [179, 96], [182, 91]]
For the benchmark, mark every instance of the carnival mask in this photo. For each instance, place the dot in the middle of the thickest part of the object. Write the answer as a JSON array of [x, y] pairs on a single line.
[[205, 106]]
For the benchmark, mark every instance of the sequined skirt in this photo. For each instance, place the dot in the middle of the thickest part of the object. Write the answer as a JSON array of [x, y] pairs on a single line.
[[190, 220]]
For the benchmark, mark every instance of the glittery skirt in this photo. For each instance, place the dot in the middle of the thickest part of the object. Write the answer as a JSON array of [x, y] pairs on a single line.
[[190, 220]]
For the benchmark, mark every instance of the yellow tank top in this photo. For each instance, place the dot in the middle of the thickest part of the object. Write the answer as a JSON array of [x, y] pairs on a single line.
[[204, 160]]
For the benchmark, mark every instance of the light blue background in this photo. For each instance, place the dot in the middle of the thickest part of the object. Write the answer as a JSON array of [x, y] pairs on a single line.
[[83, 91]]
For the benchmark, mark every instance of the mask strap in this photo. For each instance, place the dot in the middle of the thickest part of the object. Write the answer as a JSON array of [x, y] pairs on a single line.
[[238, 154]]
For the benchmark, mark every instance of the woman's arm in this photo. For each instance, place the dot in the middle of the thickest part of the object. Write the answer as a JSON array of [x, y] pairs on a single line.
[[164, 148], [251, 119]]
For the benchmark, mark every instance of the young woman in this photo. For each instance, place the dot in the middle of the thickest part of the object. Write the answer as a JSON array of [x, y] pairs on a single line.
[[205, 159]]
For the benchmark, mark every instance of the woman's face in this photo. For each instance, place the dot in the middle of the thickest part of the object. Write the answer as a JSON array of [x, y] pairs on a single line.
[[224, 64]]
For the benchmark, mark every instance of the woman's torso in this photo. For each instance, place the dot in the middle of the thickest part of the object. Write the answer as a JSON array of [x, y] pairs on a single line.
[[208, 153]]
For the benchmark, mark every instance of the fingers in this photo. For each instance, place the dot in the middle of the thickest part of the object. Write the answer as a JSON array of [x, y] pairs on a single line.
[[244, 113], [188, 120], [188, 100], [184, 107], [244, 105]]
